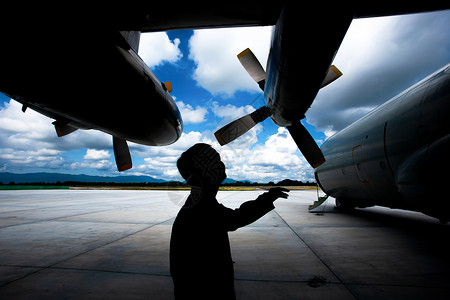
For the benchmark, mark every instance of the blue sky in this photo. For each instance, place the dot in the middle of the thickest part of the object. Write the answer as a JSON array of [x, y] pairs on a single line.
[[379, 57]]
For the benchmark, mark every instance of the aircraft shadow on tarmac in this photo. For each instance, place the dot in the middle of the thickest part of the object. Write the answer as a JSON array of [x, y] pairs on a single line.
[[413, 226]]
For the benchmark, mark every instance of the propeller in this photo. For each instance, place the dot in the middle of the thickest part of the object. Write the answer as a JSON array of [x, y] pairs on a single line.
[[306, 144], [253, 67], [301, 136], [240, 126], [332, 74], [122, 154]]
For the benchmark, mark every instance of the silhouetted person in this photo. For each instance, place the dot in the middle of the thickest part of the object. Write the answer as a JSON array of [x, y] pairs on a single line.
[[200, 256]]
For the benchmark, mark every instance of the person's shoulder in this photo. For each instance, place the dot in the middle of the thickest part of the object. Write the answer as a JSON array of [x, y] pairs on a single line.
[[223, 209]]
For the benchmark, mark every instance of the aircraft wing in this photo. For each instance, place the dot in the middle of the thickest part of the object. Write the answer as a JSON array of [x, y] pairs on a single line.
[[160, 16], [189, 15], [196, 15]]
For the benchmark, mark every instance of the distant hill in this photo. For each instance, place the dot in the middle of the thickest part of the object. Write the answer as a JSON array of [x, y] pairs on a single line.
[[290, 182], [231, 181], [6, 178], [44, 177]]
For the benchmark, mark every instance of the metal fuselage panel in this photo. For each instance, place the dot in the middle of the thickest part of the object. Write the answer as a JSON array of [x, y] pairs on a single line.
[[388, 157], [97, 82]]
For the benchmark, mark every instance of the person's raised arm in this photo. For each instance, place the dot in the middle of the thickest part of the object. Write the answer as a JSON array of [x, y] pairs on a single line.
[[251, 211]]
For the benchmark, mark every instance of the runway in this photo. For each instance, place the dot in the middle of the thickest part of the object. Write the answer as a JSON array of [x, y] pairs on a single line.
[[103, 244]]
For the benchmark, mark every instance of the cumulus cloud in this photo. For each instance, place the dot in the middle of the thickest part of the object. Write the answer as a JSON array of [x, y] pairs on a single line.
[[17, 128], [217, 68], [93, 154], [31, 130], [29, 140], [104, 165], [277, 159], [32, 143], [161, 161], [156, 48], [37, 158], [192, 115], [230, 112], [380, 57]]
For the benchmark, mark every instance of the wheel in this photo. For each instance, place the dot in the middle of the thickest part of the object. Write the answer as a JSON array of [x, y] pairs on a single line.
[[344, 204]]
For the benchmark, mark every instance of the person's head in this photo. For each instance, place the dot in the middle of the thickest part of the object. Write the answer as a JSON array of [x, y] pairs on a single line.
[[201, 165]]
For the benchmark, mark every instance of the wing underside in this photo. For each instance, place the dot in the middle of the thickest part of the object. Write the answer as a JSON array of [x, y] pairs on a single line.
[[243, 13]]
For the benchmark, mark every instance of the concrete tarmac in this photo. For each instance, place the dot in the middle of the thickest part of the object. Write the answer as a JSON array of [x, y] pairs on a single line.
[[102, 244]]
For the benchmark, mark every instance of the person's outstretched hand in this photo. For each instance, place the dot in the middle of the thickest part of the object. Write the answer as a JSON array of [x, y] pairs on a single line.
[[278, 192]]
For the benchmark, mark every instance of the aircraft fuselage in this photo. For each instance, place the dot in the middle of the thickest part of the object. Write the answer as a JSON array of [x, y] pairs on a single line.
[[397, 155]]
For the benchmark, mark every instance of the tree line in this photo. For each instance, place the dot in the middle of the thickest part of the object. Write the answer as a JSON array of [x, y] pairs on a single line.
[[285, 182]]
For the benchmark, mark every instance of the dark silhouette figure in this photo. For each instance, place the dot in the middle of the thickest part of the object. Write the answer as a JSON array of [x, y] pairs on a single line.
[[200, 256]]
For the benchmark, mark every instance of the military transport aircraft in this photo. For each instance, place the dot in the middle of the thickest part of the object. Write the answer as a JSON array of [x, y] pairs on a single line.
[[396, 155], [84, 71]]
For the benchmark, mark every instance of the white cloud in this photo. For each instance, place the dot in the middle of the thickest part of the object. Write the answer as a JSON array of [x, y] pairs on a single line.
[[80, 139], [329, 132], [29, 140], [103, 164], [161, 167], [161, 161], [231, 112], [277, 159], [28, 125], [279, 150], [156, 48], [26, 139], [214, 51], [192, 115], [93, 154], [43, 157], [33, 131], [380, 57], [32, 143]]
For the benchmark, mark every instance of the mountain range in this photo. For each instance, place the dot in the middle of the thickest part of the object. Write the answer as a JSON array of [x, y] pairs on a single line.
[[6, 178]]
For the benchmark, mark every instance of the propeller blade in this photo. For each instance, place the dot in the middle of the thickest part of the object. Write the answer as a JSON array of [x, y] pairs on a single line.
[[63, 128], [122, 154], [253, 67], [306, 144], [235, 129], [332, 75]]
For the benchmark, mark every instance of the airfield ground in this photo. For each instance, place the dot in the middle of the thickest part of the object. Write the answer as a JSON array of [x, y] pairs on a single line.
[[114, 244]]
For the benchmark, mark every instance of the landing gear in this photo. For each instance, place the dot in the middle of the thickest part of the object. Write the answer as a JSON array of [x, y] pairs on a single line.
[[344, 204]]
